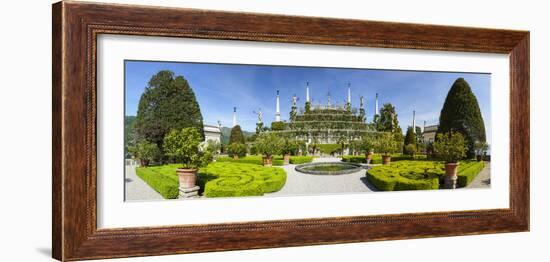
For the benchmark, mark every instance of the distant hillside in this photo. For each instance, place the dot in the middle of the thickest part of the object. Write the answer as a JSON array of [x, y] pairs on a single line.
[[226, 132]]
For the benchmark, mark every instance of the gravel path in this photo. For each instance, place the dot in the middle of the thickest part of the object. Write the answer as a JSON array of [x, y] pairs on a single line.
[[137, 189], [483, 179], [305, 184]]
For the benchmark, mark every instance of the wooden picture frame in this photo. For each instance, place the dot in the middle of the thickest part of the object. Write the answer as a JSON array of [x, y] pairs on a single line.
[[76, 26]]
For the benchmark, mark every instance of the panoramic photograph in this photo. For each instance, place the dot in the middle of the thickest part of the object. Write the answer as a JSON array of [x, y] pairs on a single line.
[[208, 130]]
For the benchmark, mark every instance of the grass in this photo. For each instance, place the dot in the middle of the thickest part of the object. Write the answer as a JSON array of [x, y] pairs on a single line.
[[219, 179], [257, 160], [419, 175]]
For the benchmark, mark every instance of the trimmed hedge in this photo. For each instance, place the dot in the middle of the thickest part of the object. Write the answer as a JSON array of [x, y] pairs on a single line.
[[328, 149], [300, 159], [419, 175], [406, 175], [240, 179], [162, 179], [377, 158], [256, 160], [467, 171]]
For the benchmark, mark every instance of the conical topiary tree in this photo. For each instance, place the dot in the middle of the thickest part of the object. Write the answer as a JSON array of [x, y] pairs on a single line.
[[236, 135], [167, 103], [461, 113]]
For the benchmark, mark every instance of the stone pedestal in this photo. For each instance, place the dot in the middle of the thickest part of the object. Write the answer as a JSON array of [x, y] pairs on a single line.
[[450, 182], [192, 192]]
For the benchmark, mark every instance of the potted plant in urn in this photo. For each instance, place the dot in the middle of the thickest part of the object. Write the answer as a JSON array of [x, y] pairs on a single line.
[[268, 144], [450, 147], [289, 147], [183, 145], [368, 142], [386, 145], [145, 151], [236, 150], [481, 149]]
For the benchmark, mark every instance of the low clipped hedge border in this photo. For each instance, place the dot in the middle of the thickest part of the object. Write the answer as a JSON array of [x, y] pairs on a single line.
[[224, 179], [468, 172], [297, 160], [162, 179], [257, 160], [406, 175], [377, 158], [419, 175]]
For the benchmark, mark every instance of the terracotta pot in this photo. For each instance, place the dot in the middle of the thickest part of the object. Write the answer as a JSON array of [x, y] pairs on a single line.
[[236, 157], [479, 158], [187, 177], [369, 155], [268, 161], [450, 175], [286, 159], [144, 162], [386, 159]]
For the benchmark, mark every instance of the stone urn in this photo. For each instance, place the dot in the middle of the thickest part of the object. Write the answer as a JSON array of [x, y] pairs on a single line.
[[286, 159], [386, 159], [144, 162], [187, 177], [368, 157], [268, 161], [450, 175]]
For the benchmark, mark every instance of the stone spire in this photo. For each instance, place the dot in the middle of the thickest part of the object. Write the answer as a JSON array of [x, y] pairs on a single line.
[[234, 116], [376, 109], [349, 93], [414, 122], [307, 91], [277, 109], [328, 97]]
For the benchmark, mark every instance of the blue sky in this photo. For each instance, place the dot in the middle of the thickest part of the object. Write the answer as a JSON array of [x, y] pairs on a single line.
[[220, 87]]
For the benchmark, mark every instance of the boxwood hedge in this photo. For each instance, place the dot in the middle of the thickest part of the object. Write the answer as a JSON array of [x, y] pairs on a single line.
[[468, 171], [296, 160], [257, 160], [377, 158], [162, 179], [419, 175], [224, 179]]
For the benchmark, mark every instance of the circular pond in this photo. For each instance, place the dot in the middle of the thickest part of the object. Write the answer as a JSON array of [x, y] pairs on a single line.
[[328, 168]]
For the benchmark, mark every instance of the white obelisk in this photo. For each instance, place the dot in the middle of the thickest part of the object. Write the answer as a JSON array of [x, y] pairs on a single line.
[[349, 94], [414, 122], [234, 116], [376, 109], [277, 110], [307, 91]]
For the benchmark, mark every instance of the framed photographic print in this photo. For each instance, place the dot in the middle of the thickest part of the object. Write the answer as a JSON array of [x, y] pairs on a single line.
[[193, 131]]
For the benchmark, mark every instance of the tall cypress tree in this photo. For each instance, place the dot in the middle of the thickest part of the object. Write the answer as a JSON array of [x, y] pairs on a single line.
[[461, 113], [167, 103], [236, 135], [410, 137]]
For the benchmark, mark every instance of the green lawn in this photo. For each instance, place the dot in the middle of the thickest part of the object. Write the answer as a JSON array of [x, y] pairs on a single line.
[[218, 179], [419, 175]]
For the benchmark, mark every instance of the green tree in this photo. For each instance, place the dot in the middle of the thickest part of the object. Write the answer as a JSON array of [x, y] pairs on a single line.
[[236, 149], [461, 113], [410, 137], [386, 144], [387, 121], [129, 135], [167, 103], [183, 145], [145, 151], [269, 144], [236, 135], [277, 125], [450, 147], [368, 142]]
